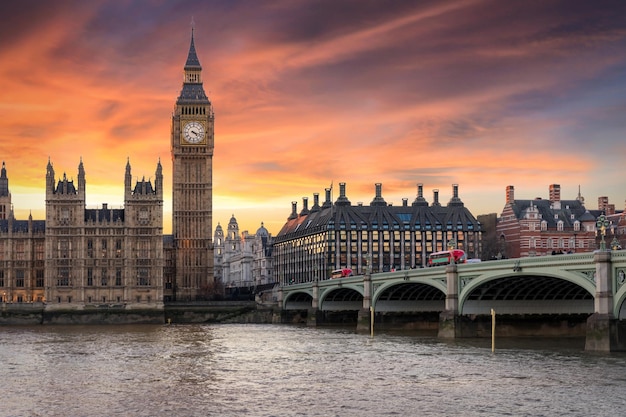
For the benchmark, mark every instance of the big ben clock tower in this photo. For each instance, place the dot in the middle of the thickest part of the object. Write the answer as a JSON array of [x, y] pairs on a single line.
[[192, 189]]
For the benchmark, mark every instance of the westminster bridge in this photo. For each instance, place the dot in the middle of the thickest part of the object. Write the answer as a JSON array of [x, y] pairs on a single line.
[[464, 296]]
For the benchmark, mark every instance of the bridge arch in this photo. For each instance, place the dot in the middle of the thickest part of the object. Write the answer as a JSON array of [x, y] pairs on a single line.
[[298, 300], [620, 298], [559, 292], [346, 297], [414, 296]]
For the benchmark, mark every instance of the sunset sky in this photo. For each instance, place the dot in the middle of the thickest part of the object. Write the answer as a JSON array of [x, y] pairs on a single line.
[[306, 93]]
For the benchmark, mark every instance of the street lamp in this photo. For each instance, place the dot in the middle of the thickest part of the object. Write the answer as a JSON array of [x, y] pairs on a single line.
[[602, 223]]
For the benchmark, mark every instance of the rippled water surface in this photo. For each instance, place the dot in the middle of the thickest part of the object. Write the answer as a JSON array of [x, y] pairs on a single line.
[[265, 370]]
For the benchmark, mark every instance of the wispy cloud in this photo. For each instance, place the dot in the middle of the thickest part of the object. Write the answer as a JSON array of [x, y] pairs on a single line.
[[480, 93]]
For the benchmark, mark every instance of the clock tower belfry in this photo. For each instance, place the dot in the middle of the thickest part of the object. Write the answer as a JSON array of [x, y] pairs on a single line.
[[192, 185]]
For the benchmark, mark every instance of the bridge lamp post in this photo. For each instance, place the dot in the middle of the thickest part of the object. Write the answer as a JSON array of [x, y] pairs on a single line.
[[602, 223]]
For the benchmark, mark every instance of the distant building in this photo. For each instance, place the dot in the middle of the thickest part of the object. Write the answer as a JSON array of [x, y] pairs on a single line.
[[543, 227], [243, 260], [379, 236]]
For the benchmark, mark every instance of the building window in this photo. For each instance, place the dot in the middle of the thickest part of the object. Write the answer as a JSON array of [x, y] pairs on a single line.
[[19, 247], [118, 248], [39, 251], [544, 226], [1, 277], [118, 277], [39, 278], [65, 215], [19, 278], [576, 226], [559, 226], [64, 249], [63, 278], [142, 277], [103, 280], [89, 277]]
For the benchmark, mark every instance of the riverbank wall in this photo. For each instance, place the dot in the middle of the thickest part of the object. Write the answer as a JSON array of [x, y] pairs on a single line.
[[194, 312]]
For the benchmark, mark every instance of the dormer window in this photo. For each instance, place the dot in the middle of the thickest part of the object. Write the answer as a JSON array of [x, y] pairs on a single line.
[[576, 226], [544, 225], [559, 226]]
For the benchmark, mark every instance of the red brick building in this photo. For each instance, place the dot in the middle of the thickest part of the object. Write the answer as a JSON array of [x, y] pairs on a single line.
[[544, 227]]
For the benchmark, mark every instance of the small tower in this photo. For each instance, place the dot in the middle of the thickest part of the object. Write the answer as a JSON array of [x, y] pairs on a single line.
[[5, 195], [232, 238], [218, 252]]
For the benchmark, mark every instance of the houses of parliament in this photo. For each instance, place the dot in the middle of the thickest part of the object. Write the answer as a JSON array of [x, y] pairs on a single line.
[[78, 257]]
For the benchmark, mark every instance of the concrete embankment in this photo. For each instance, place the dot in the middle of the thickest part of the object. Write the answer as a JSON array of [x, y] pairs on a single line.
[[197, 312], [219, 312]]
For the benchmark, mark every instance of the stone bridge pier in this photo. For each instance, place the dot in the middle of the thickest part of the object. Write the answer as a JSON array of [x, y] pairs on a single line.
[[605, 332]]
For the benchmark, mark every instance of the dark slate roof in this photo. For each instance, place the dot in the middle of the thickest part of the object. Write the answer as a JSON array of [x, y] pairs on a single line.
[[143, 187], [192, 58], [39, 226], [68, 189], [547, 211], [100, 215], [192, 93], [378, 217]]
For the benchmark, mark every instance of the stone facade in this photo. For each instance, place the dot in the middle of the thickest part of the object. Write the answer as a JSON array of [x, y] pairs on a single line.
[[80, 257], [243, 260]]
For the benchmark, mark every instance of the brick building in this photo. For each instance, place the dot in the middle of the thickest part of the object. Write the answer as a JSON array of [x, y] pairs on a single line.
[[543, 227]]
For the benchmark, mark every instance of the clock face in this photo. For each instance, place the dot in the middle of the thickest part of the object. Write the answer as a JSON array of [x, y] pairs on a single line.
[[193, 132]]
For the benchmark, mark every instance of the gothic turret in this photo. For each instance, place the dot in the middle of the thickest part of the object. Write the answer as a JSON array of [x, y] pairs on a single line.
[[81, 178], [5, 195], [158, 181]]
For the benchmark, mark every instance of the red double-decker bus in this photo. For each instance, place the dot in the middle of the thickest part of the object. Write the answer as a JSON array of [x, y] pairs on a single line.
[[447, 257]]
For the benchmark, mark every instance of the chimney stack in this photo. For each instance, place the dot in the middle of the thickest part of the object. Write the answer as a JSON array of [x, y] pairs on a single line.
[[305, 206], [436, 197], [555, 193], [294, 211], [510, 194]]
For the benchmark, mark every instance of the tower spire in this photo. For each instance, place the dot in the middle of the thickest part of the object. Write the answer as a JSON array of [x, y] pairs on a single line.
[[193, 63], [192, 82]]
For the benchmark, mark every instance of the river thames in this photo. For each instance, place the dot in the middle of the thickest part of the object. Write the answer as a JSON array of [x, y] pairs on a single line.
[[273, 370]]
